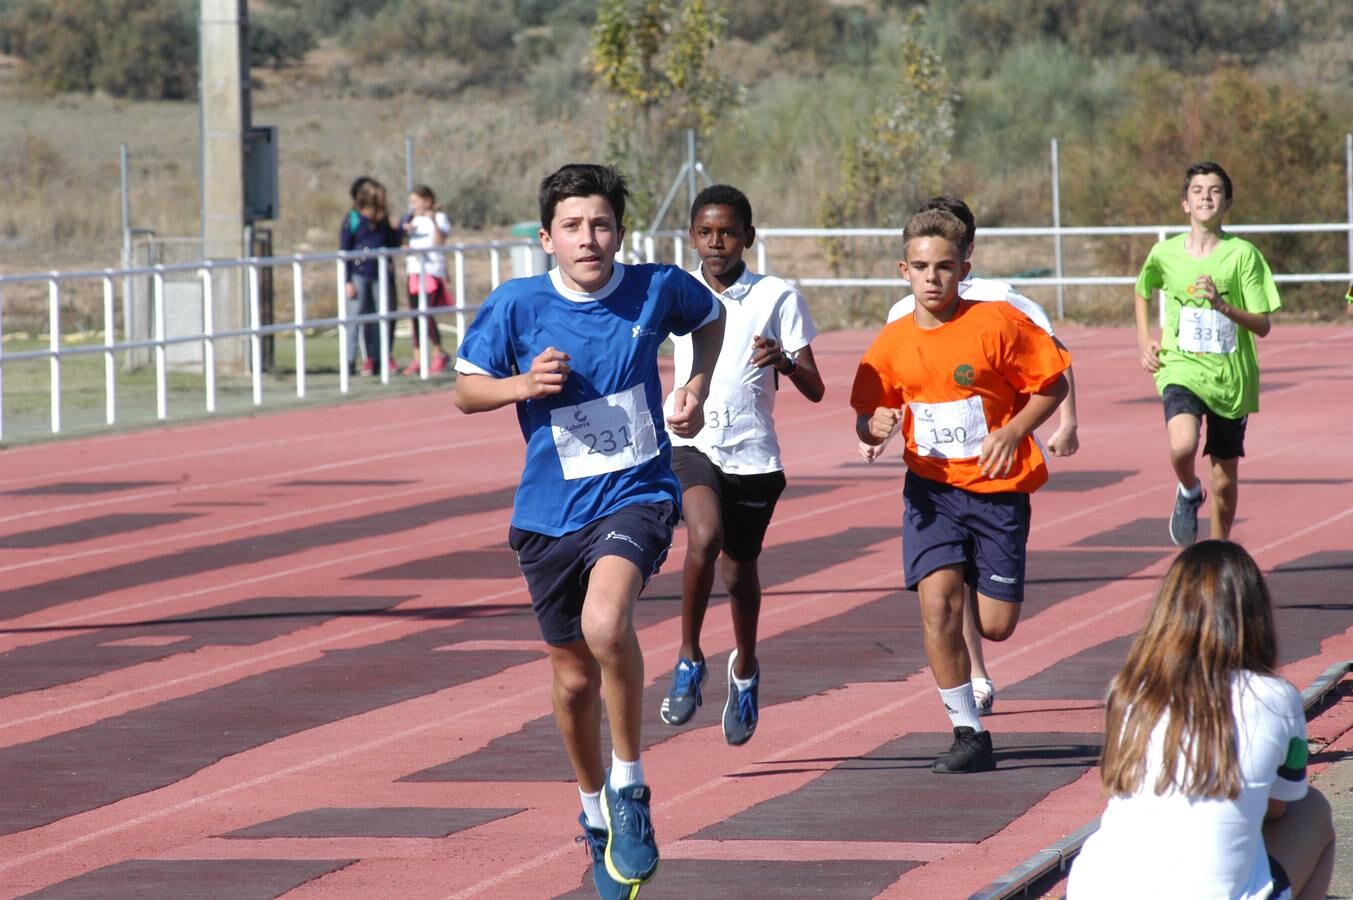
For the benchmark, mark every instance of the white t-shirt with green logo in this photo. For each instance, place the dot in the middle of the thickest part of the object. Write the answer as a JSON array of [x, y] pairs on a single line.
[[1200, 349]]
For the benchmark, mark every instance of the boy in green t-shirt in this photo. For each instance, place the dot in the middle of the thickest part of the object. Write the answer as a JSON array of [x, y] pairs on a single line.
[[1218, 295]]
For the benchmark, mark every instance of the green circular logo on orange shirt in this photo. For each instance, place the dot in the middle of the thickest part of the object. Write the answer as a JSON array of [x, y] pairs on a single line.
[[964, 375]]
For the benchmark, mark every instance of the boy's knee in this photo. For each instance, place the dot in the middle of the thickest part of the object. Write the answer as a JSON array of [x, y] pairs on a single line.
[[575, 687], [997, 632], [942, 614], [608, 636], [704, 540], [740, 578]]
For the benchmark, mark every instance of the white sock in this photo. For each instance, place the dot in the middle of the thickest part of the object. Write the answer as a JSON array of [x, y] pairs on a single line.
[[962, 708], [625, 773], [741, 683], [592, 809], [1194, 492]]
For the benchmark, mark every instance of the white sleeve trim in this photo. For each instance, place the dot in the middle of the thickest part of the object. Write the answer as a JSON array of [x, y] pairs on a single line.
[[465, 367]]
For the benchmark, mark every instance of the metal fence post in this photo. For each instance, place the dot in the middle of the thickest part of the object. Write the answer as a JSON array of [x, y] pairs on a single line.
[[383, 307], [54, 344], [298, 316], [109, 358], [1057, 224], [208, 332]]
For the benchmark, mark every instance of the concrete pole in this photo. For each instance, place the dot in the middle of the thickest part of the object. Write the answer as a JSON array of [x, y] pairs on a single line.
[[224, 117]]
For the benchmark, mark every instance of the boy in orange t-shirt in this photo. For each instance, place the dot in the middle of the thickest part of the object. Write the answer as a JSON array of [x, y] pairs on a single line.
[[969, 382]]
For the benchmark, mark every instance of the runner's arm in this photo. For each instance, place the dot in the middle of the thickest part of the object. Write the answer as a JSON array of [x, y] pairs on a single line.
[[482, 393]]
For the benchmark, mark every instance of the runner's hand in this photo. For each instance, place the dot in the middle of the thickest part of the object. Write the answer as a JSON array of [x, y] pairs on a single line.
[[997, 456], [869, 453], [688, 415], [766, 352], [546, 376], [1064, 441], [1150, 356], [884, 422]]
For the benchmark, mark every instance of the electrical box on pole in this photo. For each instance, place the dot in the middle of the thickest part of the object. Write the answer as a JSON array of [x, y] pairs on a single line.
[[260, 174]]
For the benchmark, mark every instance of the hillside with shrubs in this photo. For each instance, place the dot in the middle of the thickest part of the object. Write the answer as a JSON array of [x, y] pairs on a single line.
[[827, 113]]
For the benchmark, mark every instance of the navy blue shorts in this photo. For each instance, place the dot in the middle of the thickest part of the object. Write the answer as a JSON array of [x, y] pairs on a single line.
[[557, 568], [1225, 437], [746, 502], [986, 534]]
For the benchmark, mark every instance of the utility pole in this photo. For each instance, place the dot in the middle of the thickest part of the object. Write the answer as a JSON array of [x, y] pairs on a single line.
[[224, 118]]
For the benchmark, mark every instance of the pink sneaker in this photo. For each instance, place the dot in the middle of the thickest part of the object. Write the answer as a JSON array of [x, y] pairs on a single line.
[[368, 367], [440, 363], [412, 368]]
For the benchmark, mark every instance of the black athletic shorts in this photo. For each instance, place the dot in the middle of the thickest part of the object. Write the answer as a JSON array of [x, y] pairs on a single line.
[[1225, 437], [557, 568], [746, 502], [1282, 885]]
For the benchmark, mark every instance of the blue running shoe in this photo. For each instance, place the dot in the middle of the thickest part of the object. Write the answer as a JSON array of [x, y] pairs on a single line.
[[739, 713], [631, 846], [684, 694], [607, 887]]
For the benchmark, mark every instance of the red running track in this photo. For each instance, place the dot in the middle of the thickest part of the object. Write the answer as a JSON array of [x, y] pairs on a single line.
[[291, 654]]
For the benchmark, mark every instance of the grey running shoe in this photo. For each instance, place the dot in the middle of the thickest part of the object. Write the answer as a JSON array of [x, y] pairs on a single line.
[[684, 694], [739, 713], [970, 752], [1184, 519]]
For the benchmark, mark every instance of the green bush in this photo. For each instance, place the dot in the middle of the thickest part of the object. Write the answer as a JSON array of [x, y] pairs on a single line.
[[476, 33], [143, 49], [278, 40]]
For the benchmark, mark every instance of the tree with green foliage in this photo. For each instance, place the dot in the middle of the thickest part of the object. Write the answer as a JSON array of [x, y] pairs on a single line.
[[655, 60], [143, 49], [895, 157]]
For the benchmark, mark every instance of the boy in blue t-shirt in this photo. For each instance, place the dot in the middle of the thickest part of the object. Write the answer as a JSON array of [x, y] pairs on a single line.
[[576, 350]]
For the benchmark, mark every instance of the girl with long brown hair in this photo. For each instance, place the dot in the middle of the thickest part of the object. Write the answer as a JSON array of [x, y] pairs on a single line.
[[1203, 745]]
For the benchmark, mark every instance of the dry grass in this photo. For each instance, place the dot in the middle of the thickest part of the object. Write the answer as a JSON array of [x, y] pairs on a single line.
[[483, 154]]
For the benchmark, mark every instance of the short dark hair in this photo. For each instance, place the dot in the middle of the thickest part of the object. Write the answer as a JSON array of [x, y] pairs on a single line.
[[724, 195], [425, 192], [957, 208], [358, 183], [582, 180], [1207, 167], [936, 223]]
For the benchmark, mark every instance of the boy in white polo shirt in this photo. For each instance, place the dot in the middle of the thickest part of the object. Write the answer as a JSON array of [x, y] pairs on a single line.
[[730, 473], [1064, 441]]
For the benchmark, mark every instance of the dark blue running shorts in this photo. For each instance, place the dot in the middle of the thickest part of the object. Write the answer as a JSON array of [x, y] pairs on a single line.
[[556, 568], [986, 534], [1225, 438]]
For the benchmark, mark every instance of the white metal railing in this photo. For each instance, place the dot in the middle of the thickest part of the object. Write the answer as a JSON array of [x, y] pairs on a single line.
[[645, 246], [255, 331]]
